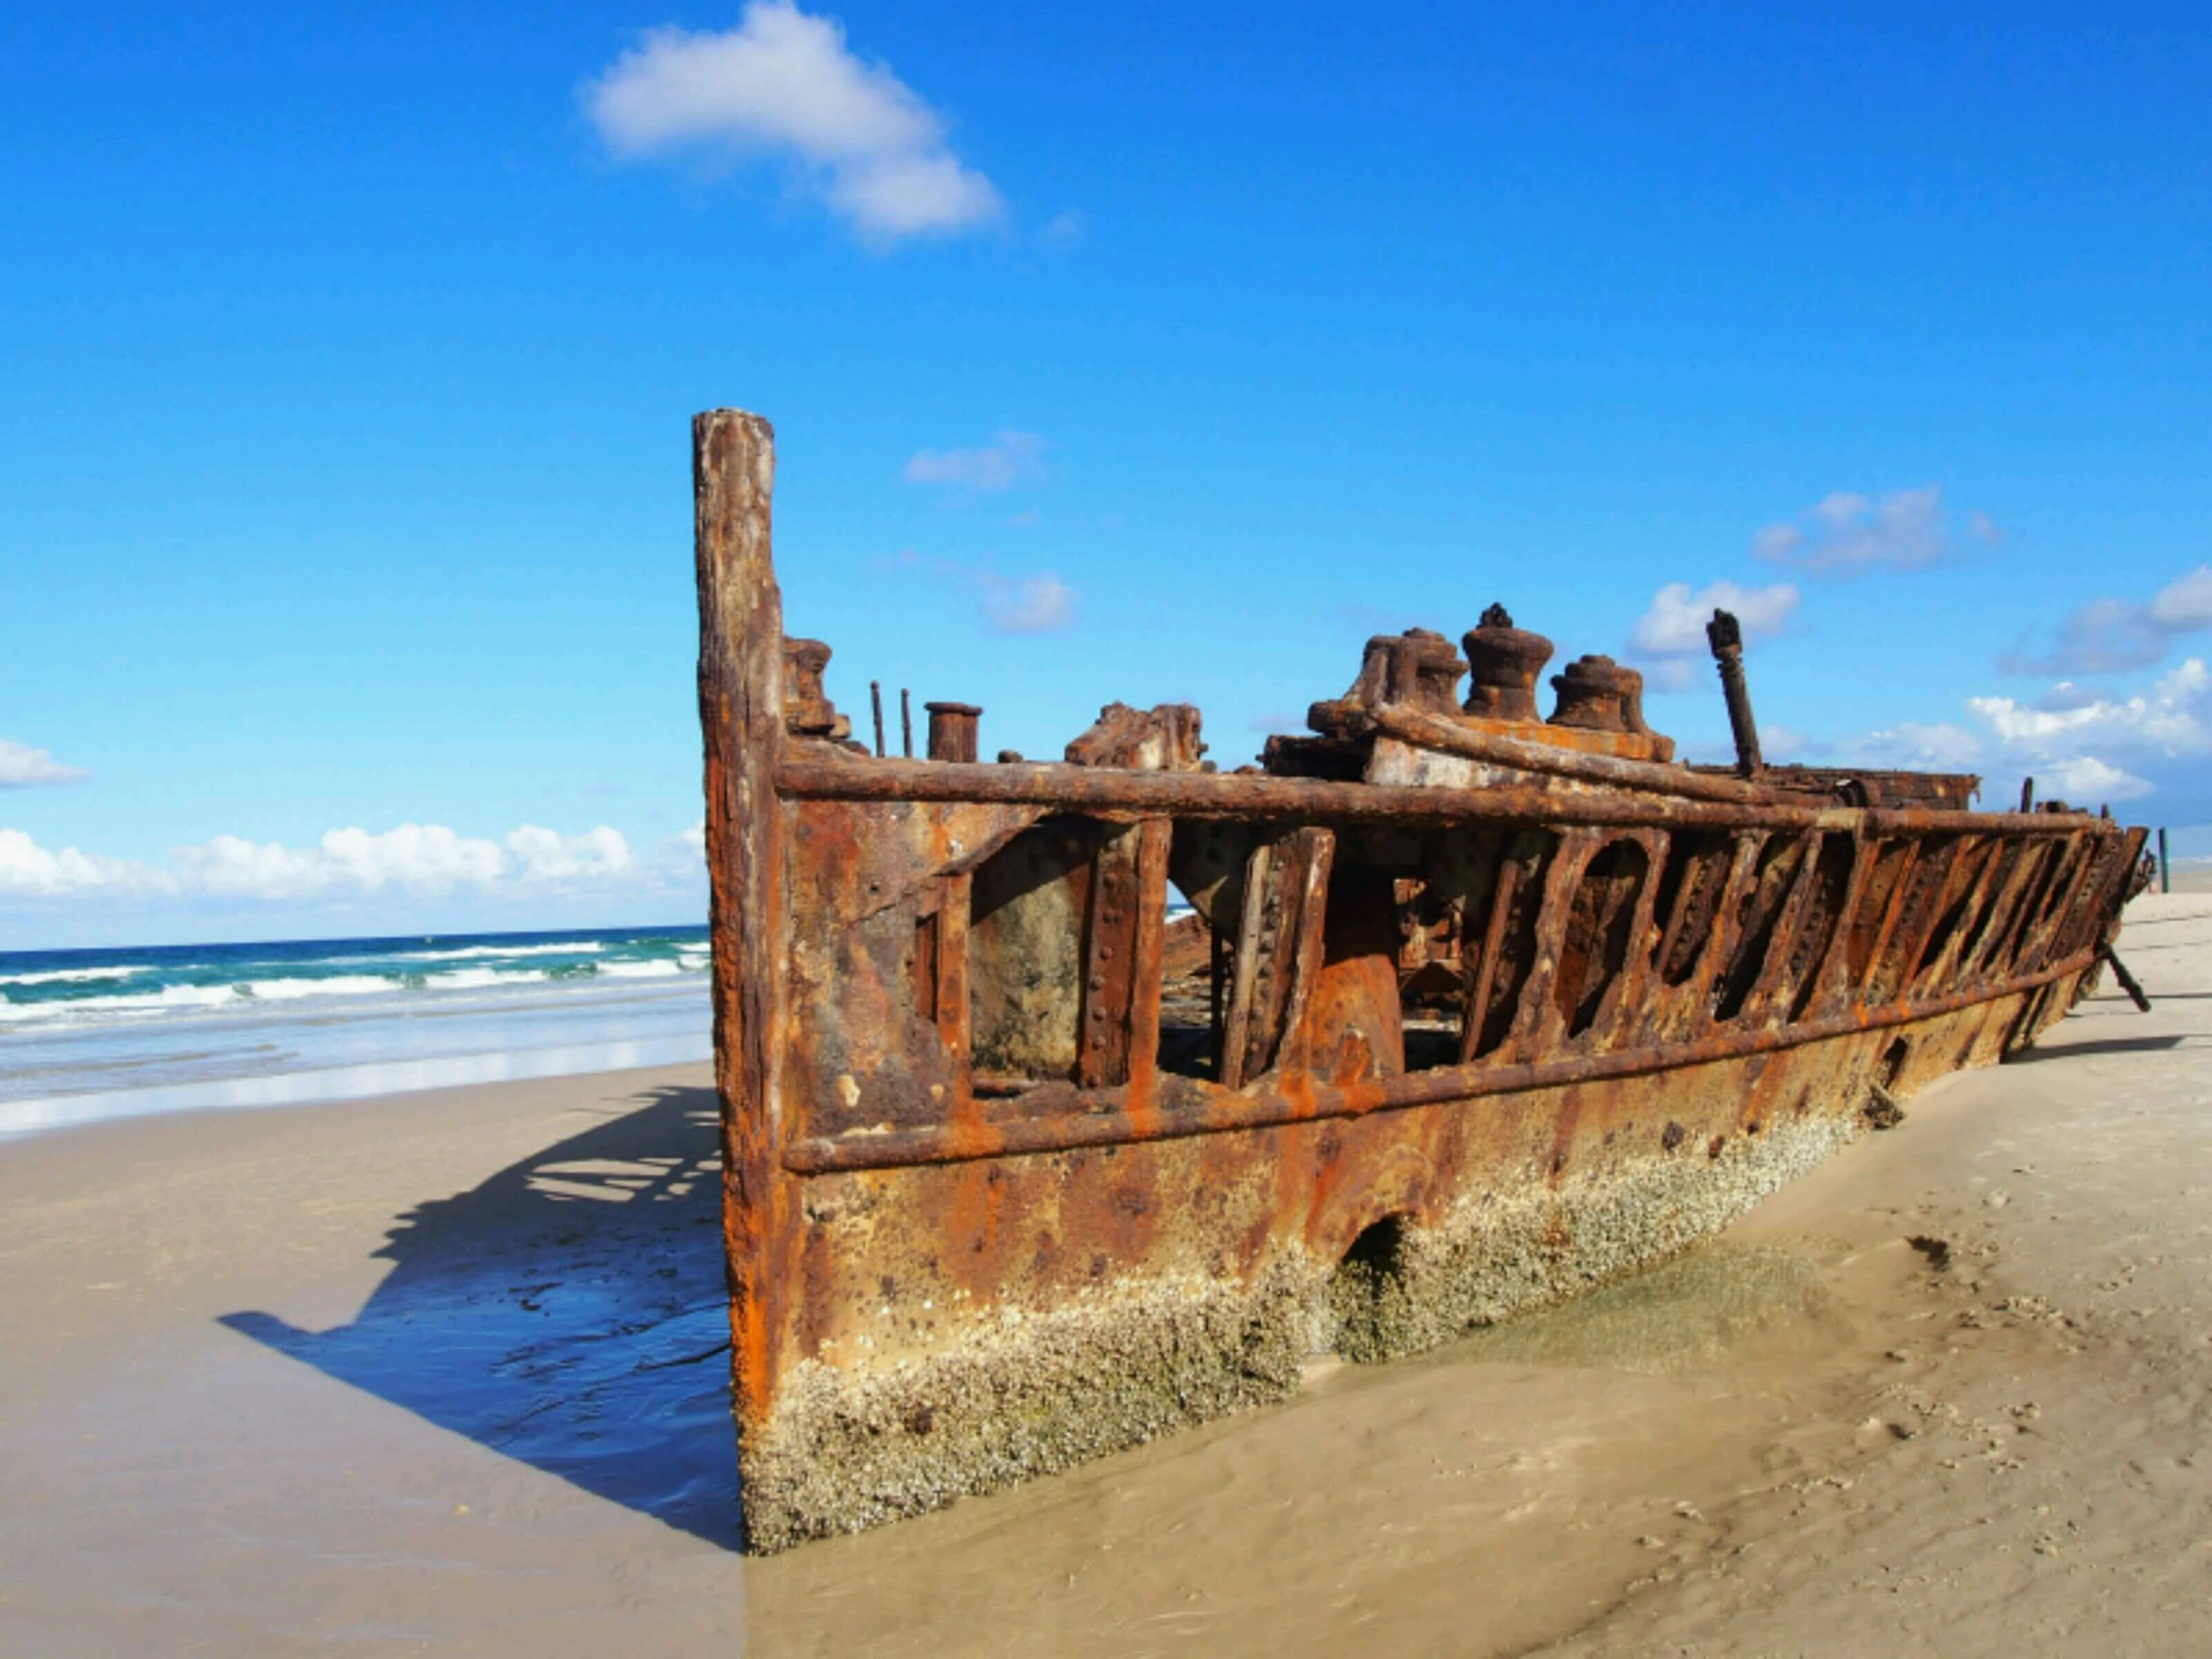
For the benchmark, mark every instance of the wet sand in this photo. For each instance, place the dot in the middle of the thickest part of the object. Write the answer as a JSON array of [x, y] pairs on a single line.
[[445, 1373]]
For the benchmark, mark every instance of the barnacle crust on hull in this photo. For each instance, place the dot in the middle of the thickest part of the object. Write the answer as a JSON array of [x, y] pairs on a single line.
[[1066, 1104]]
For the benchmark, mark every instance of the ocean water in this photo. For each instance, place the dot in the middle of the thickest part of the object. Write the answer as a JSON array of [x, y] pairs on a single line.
[[86, 1034]]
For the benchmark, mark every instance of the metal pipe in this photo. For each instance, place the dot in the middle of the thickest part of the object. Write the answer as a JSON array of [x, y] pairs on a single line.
[[906, 723], [1725, 635], [2027, 795], [875, 702], [2111, 959], [2165, 870]]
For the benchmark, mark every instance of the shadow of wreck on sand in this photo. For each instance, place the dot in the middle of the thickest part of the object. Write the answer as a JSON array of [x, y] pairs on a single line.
[[569, 1312]]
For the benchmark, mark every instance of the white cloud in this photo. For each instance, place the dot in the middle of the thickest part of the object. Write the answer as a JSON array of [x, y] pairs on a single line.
[[2111, 636], [1845, 534], [1983, 529], [424, 860], [27, 868], [1010, 458], [1669, 638], [1036, 604], [784, 83], [22, 766], [2085, 780], [546, 856], [2084, 746]]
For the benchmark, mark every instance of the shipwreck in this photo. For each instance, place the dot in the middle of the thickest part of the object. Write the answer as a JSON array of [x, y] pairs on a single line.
[[1066, 1104]]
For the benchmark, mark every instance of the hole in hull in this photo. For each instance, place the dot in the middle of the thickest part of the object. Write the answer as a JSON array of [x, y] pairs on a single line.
[[1367, 1292]]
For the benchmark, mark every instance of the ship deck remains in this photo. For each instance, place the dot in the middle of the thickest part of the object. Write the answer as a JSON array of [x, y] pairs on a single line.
[[1469, 1010]]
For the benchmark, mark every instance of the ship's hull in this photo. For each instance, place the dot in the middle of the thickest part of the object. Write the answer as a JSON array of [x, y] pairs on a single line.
[[1474, 1023], [1025, 1314]]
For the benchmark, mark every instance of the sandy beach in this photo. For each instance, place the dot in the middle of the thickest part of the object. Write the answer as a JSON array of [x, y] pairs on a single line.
[[444, 1372]]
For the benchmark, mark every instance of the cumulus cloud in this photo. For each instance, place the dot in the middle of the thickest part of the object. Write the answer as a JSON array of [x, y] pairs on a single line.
[[27, 868], [22, 767], [1668, 640], [784, 83], [2085, 746], [2112, 636], [413, 859], [1674, 624], [1010, 458], [1846, 534]]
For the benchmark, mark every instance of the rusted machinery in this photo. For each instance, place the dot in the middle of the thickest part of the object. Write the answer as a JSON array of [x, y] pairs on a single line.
[[1471, 1010]]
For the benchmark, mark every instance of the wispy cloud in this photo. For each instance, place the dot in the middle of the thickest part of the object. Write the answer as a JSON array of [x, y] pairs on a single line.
[[1669, 638], [22, 767], [784, 83], [1010, 458], [1846, 534], [2112, 636], [1037, 603], [2185, 604]]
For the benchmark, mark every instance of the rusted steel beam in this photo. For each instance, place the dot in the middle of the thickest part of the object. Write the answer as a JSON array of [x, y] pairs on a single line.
[[741, 717], [1428, 731], [1233, 795], [1106, 1117], [2110, 958], [1493, 942]]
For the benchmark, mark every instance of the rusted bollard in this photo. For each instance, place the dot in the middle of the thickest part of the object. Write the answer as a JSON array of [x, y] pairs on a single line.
[[952, 730]]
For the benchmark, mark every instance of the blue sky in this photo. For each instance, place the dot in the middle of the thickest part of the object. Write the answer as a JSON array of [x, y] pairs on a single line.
[[346, 362]]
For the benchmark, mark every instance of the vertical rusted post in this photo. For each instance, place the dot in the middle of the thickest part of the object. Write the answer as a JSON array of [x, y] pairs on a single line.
[[876, 703], [1725, 636], [906, 723], [741, 718], [2165, 870], [952, 728], [2027, 795]]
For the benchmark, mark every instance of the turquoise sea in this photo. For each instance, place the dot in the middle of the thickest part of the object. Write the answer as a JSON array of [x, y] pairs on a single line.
[[86, 1034]]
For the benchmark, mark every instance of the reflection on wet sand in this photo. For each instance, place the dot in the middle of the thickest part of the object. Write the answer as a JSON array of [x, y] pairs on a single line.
[[1679, 1317]]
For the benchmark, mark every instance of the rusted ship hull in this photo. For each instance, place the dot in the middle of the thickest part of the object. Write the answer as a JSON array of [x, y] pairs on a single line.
[[1476, 1021]]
